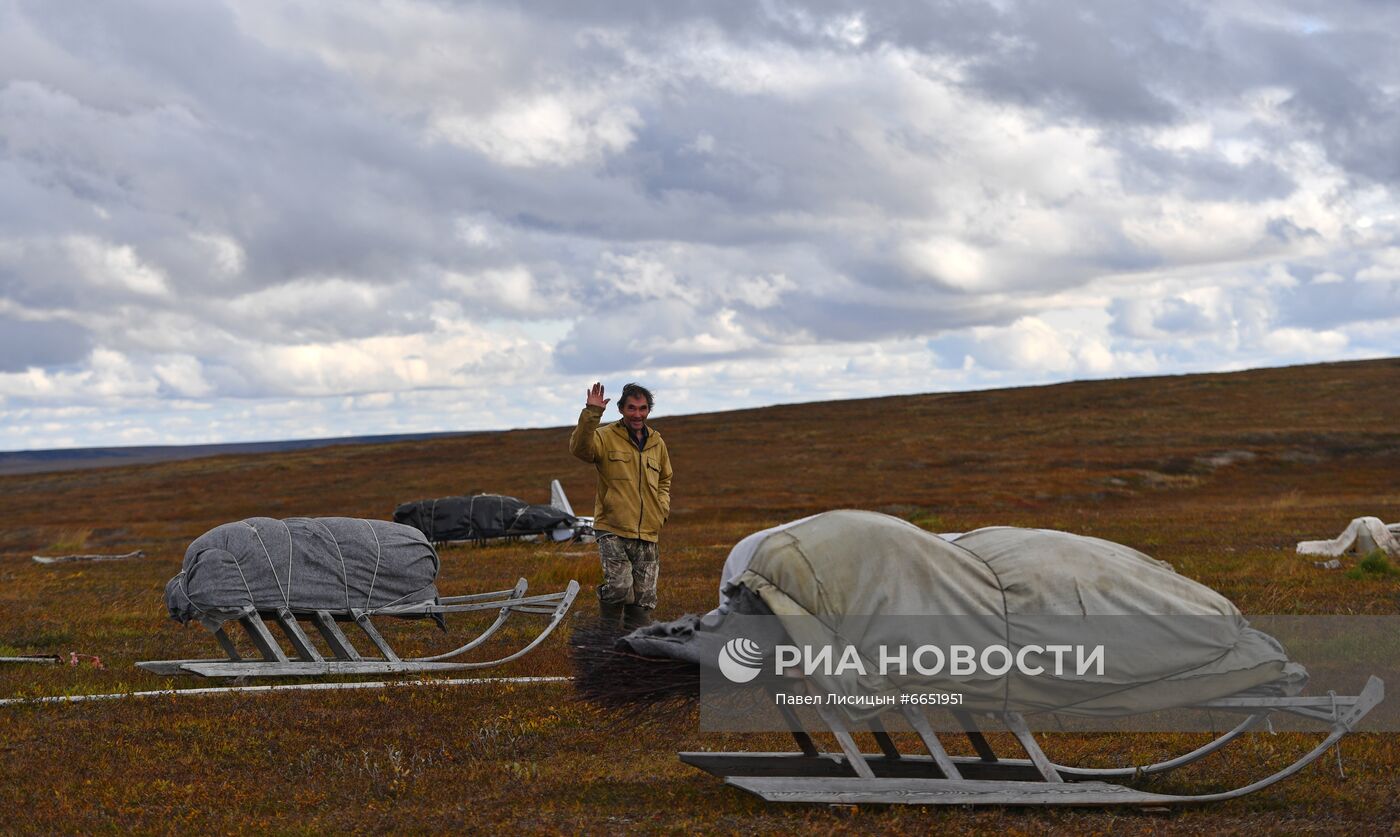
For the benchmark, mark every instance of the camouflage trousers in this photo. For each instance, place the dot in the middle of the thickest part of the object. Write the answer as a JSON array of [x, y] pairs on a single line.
[[630, 567]]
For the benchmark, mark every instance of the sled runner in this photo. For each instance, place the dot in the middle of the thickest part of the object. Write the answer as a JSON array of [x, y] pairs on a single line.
[[852, 777], [306, 659]]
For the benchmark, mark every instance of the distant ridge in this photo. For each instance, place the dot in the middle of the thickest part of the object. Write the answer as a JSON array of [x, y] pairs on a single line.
[[71, 459], [1289, 378]]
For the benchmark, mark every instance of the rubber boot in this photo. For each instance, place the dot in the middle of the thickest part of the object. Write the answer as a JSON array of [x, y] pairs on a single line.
[[635, 616], [609, 614]]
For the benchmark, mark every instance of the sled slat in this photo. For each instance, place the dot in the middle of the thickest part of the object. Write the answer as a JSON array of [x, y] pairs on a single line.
[[263, 638], [883, 740], [226, 643], [794, 725], [848, 744], [335, 638], [300, 641], [975, 736], [362, 619], [1018, 727], [920, 723]]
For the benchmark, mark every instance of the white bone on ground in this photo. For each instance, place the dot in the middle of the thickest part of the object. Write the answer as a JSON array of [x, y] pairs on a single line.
[[1363, 535]]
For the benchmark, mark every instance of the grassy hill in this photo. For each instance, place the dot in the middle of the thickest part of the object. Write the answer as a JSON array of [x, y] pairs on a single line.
[[67, 459], [1219, 474]]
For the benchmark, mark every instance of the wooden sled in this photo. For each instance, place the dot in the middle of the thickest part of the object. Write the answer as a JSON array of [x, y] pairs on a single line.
[[851, 777], [306, 660]]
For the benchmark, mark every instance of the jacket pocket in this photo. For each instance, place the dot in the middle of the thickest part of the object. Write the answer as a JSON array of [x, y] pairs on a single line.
[[653, 475], [619, 465]]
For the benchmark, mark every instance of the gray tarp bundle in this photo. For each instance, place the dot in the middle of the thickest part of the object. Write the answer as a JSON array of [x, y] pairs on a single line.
[[302, 563], [860, 578], [480, 516]]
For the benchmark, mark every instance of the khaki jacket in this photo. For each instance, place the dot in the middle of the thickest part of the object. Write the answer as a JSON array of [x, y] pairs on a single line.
[[634, 487]]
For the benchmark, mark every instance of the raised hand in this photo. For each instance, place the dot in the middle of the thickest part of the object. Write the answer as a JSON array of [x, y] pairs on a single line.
[[595, 397]]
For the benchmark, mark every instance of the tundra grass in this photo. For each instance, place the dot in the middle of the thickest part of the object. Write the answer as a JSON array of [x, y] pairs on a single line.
[[1219, 474]]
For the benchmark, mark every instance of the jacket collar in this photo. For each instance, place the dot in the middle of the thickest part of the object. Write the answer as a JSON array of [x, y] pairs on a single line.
[[620, 426]]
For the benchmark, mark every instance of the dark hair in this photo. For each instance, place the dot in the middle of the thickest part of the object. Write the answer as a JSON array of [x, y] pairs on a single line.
[[634, 391]]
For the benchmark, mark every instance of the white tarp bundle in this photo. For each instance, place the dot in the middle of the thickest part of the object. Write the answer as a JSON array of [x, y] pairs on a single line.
[[863, 579], [1363, 536]]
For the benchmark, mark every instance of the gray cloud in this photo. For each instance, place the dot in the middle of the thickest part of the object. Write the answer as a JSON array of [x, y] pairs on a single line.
[[1336, 305], [1097, 60], [1204, 175], [24, 344], [257, 201]]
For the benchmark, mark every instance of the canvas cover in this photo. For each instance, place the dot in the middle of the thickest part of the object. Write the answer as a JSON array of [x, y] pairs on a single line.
[[305, 564], [847, 573], [480, 516]]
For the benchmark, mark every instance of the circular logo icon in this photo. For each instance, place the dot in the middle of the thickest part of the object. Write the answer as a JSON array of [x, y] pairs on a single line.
[[740, 659]]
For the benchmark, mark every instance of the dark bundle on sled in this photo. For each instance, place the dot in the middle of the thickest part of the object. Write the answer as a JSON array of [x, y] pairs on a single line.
[[480, 517]]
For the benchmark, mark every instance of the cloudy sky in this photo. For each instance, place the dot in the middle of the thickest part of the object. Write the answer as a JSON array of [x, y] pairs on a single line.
[[262, 220]]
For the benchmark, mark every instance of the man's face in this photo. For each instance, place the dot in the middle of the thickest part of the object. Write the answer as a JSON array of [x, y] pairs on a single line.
[[634, 412]]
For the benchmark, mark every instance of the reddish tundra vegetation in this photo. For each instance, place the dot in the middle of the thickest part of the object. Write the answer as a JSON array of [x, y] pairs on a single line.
[[1219, 474]]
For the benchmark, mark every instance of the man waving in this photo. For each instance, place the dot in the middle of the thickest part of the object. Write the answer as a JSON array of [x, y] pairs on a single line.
[[633, 501]]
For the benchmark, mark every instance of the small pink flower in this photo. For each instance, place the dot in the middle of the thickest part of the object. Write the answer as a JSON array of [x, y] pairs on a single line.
[[73, 660]]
